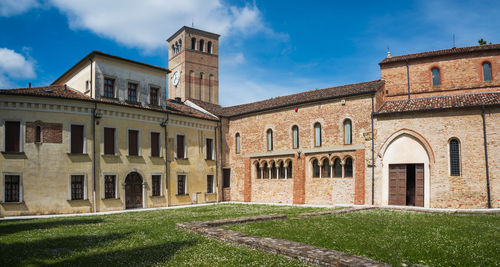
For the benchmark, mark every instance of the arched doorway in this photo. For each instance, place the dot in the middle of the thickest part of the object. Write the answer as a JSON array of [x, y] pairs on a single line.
[[133, 191]]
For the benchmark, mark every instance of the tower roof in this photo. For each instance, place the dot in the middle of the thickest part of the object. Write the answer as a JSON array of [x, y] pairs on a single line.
[[195, 31]]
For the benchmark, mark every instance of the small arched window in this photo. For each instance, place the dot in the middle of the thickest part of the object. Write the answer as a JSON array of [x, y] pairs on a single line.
[[281, 170], [436, 80], [317, 134], [326, 170], [38, 134], [209, 47], [265, 171], [258, 170], [347, 132], [487, 71], [238, 144], [337, 168], [316, 169], [295, 136], [269, 139], [289, 170], [454, 157], [202, 45], [193, 43], [348, 167]]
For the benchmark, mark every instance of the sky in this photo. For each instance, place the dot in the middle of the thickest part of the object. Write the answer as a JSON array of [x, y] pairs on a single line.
[[267, 48]]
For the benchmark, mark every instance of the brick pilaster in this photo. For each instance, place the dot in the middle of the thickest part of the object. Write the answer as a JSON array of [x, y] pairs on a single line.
[[359, 182], [299, 180], [247, 186]]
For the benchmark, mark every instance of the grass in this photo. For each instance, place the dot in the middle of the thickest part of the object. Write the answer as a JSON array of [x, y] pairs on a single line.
[[395, 237], [139, 238]]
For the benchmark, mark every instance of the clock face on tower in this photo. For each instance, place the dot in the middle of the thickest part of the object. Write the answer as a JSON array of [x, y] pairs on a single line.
[[176, 78]]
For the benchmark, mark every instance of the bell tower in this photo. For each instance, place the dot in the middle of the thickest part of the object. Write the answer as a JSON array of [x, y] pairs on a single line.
[[193, 58]]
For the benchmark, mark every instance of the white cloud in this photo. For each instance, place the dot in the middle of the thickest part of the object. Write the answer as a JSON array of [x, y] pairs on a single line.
[[147, 24], [15, 7], [14, 66], [233, 59]]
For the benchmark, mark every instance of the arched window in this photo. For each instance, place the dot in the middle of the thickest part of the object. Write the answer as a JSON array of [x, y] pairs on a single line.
[[487, 71], [38, 134], [237, 141], [180, 45], [348, 167], [173, 49], [347, 132], [209, 47], [193, 43], [295, 136], [454, 157], [274, 170], [436, 80], [259, 171], [202, 45], [326, 170], [337, 168], [316, 169], [281, 170], [317, 134], [289, 170], [265, 171], [269, 139]]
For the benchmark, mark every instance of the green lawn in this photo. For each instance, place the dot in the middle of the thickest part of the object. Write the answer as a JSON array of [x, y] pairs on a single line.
[[395, 237], [139, 238]]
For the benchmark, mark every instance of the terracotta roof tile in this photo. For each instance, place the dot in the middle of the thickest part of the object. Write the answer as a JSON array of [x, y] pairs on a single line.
[[212, 108], [441, 102], [180, 108], [58, 91]]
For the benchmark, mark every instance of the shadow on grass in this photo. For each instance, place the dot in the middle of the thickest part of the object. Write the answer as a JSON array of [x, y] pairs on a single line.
[[11, 227]]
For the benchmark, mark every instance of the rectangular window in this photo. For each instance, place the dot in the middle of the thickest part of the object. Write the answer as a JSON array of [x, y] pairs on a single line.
[[12, 136], [109, 141], [132, 92], [109, 88], [77, 141], [153, 96], [209, 149], [181, 184], [12, 188], [133, 143], [156, 185], [77, 187], [210, 184], [181, 153], [110, 186], [155, 144]]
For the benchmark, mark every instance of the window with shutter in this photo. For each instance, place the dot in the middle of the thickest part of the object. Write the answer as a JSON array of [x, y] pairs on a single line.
[[156, 185], [109, 88], [77, 187], [155, 144], [12, 188], [180, 147], [210, 184], [486, 71], [132, 92], [209, 149], [133, 143], [181, 184], [12, 136], [109, 141], [77, 141], [109, 186], [153, 96]]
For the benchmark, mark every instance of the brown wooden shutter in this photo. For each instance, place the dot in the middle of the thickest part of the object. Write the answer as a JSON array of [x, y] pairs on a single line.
[[109, 141], [12, 136], [77, 139], [397, 184], [133, 143], [155, 144], [180, 147], [419, 185], [209, 149]]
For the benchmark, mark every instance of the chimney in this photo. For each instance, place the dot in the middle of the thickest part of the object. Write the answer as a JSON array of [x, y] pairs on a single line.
[[389, 54], [65, 89], [178, 100]]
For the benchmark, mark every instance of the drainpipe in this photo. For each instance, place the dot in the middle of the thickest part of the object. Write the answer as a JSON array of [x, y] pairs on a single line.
[[219, 125], [408, 77], [91, 87], [216, 164], [164, 125], [486, 157], [373, 153], [94, 110]]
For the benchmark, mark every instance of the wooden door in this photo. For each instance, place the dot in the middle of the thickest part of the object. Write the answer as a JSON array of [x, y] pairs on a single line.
[[397, 184], [133, 191], [226, 184], [419, 185]]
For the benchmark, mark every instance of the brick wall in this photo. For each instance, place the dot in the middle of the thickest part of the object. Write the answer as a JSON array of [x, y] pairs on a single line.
[[51, 132]]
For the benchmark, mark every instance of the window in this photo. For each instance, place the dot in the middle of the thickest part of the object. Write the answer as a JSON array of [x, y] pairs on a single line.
[[274, 174], [109, 186], [436, 81], [77, 187], [317, 134], [181, 151], [238, 144], [326, 170], [193, 43], [209, 47], [109, 88], [486, 71], [200, 87], [156, 185], [181, 184], [454, 157], [347, 132], [132, 92], [133, 143], [38, 134], [209, 148], [109, 141], [12, 188], [265, 171], [281, 170], [348, 167], [289, 171], [269, 139], [153, 96], [155, 144], [77, 139], [259, 171], [12, 141], [316, 169], [210, 184], [337, 168], [295, 136], [202, 45]]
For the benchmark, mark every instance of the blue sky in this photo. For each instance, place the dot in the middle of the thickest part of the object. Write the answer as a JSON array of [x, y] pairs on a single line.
[[267, 48]]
